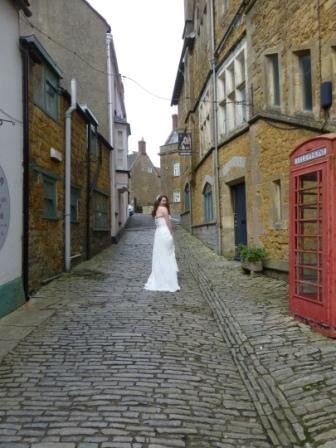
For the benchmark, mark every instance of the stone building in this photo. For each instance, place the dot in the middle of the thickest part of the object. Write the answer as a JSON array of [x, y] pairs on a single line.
[[80, 40], [11, 137], [44, 206], [175, 168], [145, 182], [249, 94]]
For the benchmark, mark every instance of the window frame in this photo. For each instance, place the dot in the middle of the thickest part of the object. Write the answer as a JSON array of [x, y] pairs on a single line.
[[205, 121], [232, 92], [207, 203], [46, 80], [273, 80], [52, 181], [176, 194], [176, 169], [298, 84], [97, 209]]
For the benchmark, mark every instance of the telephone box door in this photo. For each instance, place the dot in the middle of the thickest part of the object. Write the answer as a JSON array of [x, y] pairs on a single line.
[[309, 243]]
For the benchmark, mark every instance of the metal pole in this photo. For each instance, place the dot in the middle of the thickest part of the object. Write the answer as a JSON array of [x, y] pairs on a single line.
[[67, 195]]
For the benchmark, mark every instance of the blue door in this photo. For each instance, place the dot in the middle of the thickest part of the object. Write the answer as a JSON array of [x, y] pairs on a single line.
[[239, 213]]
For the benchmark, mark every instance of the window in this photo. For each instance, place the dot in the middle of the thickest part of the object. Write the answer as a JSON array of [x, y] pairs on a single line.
[[176, 196], [208, 209], [101, 202], [93, 139], [273, 79], [231, 88], [277, 204], [187, 197], [205, 123], [176, 168], [74, 204], [45, 90], [149, 169], [303, 81], [49, 197], [120, 150]]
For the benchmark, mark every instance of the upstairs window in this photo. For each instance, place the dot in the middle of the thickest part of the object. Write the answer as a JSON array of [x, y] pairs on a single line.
[[176, 168], [231, 88], [205, 122], [306, 80], [120, 149], [303, 81], [45, 90], [273, 79]]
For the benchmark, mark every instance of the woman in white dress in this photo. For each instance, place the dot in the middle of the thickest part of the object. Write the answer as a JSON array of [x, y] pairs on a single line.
[[164, 267]]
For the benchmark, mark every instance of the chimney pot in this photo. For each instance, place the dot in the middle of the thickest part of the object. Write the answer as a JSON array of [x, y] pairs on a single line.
[[174, 121], [142, 146]]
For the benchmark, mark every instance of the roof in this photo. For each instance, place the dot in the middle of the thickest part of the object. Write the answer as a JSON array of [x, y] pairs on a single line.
[[188, 43], [24, 5], [39, 53], [131, 158], [172, 139], [99, 15]]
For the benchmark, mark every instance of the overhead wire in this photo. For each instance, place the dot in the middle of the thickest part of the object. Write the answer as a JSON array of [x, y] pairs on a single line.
[[99, 70]]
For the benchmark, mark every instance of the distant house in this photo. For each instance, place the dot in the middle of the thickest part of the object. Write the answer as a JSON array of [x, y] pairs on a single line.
[[175, 173], [145, 183], [11, 138]]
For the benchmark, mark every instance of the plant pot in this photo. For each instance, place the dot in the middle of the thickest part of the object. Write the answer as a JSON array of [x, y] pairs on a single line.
[[252, 266]]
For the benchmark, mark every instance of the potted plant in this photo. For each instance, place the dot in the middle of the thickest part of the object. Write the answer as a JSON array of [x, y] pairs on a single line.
[[251, 257]]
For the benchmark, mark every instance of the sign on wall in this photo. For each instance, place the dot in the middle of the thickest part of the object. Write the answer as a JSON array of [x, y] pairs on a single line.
[[184, 143], [4, 208]]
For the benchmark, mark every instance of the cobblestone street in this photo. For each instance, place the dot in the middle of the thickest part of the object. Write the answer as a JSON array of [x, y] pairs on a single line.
[[220, 364]]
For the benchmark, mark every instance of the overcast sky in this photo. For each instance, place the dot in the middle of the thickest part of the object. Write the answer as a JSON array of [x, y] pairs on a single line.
[[147, 36]]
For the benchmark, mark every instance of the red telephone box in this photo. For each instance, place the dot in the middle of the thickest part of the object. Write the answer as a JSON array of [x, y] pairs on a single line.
[[312, 242]]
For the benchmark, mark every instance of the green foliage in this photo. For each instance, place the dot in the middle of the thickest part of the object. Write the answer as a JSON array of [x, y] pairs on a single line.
[[251, 253]]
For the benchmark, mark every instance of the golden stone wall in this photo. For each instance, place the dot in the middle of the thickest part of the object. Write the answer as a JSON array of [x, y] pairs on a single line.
[[257, 153]]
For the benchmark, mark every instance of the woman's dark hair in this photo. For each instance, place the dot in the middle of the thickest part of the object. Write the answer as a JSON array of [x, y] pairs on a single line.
[[157, 203]]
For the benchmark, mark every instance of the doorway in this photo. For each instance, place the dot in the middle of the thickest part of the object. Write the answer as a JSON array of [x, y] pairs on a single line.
[[239, 215]]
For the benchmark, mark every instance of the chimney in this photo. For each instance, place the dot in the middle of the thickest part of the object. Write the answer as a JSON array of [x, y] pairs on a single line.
[[142, 146], [174, 121]]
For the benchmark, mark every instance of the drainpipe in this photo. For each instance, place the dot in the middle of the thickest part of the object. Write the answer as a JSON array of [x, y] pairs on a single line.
[[111, 101], [215, 131], [25, 245], [88, 195], [68, 114]]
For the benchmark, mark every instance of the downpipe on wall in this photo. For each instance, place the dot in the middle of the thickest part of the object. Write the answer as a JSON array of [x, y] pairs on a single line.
[[111, 101], [67, 195], [215, 132]]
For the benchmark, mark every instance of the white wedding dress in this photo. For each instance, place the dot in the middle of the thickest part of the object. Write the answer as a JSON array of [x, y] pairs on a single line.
[[164, 267]]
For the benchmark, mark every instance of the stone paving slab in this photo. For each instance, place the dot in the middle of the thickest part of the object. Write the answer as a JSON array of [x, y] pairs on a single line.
[[289, 369], [116, 366]]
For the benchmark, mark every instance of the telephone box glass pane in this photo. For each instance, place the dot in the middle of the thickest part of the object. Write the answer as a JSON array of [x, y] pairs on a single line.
[[308, 250]]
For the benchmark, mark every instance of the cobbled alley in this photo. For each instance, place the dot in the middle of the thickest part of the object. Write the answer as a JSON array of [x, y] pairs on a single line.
[[94, 361]]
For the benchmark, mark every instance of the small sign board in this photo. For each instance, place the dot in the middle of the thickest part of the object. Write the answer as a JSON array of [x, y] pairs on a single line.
[[311, 155], [4, 208], [184, 143]]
